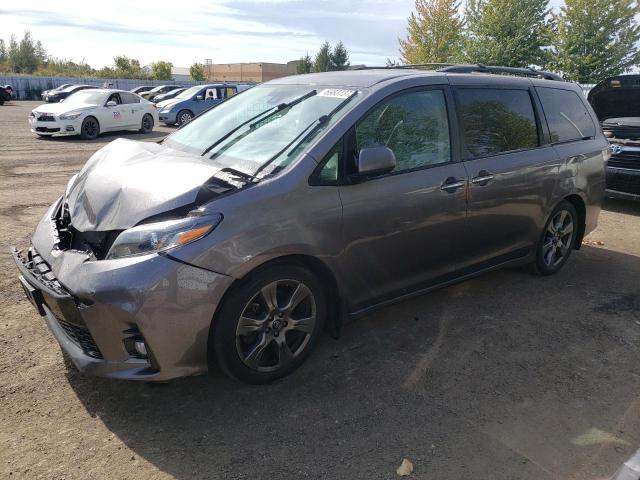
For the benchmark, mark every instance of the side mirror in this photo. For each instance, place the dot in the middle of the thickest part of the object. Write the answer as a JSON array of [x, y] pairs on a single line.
[[376, 160], [111, 103], [199, 97]]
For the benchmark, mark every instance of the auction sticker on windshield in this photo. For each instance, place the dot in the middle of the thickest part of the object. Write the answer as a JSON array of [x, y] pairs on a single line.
[[335, 93]]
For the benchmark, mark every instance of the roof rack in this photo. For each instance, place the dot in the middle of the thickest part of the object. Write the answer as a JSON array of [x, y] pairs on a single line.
[[474, 68]]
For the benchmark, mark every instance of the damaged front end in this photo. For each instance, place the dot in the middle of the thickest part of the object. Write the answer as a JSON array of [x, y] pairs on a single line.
[[97, 269], [616, 101]]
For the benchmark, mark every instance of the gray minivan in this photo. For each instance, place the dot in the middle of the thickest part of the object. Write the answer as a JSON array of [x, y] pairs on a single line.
[[304, 201]]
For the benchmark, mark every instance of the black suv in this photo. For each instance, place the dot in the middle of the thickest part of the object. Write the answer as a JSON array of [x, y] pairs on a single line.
[[616, 101]]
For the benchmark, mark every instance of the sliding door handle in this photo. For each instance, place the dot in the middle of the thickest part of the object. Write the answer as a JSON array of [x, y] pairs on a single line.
[[451, 184], [483, 178]]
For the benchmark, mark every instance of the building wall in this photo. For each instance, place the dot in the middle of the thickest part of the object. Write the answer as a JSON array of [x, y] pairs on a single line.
[[248, 72]]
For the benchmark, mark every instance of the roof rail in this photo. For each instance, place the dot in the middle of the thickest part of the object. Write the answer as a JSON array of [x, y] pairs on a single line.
[[473, 68], [480, 68]]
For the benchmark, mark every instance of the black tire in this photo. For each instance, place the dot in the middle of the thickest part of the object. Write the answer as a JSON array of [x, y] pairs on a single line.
[[274, 344], [90, 128], [555, 244], [184, 116], [147, 124]]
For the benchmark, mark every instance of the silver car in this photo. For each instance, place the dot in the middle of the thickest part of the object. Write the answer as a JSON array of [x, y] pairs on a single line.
[[306, 200]]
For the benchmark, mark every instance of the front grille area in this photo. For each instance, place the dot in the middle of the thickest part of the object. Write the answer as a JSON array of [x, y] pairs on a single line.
[[41, 271], [48, 130], [623, 183], [630, 160], [81, 337], [621, 131], [46, 118]]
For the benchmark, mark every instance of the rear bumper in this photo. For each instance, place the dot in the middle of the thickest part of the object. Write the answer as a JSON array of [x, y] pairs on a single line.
[[96, 309]]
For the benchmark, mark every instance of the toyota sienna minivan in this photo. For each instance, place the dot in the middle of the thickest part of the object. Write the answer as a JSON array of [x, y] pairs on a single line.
[[305, 201]]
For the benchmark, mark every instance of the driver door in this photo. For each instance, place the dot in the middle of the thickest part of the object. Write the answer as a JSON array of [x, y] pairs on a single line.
[[403, 230], [113, 117]]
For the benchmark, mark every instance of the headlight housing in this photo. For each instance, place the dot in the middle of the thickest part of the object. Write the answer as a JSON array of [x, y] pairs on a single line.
[[70, 115], [162, 236]]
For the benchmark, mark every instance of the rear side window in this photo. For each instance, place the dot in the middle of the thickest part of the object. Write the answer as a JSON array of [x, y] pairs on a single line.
[[129, 97], [566, 114], [494, 121], [414, 125]]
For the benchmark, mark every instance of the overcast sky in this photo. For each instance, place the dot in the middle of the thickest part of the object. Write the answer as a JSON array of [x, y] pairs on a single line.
[[188, 31]]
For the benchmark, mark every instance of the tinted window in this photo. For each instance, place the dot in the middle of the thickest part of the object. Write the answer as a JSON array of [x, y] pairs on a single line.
[[566, 114], [414, 125], [129, 98], [495, 120]]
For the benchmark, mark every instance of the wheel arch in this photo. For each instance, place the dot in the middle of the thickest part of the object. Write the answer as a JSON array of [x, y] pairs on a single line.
[[581, 209], [316, 266]]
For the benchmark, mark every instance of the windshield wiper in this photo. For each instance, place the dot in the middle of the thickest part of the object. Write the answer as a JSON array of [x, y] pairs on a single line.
[[270, 111], [318, 122]]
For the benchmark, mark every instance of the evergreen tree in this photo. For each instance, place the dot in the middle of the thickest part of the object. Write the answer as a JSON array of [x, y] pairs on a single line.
[[339, 57], [434, 32], [305, 65], [507, 32], [22, 56], [595, 39], [322, 61], [3, 51]]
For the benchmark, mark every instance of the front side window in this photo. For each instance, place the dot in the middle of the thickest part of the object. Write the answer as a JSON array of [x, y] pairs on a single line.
[[566, 114], [414, 125], [495, 121], [129, 97]]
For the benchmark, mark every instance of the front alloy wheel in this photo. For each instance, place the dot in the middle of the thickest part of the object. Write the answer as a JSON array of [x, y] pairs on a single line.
[[276, 325], [269, 323]]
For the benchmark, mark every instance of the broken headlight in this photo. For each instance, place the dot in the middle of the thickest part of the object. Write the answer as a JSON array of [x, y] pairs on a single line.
[[161, 236]]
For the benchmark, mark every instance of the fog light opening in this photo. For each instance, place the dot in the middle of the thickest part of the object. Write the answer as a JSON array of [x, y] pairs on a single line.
[[140, 348]]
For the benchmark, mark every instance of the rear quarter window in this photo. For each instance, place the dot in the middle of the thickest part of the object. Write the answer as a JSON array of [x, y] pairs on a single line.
[[494, 121], [567, 115]]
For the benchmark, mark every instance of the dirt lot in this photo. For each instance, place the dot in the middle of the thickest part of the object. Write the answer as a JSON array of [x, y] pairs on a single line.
[[508, 376]]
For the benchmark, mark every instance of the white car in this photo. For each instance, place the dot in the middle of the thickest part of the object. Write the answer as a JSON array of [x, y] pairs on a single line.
[[89, 113]]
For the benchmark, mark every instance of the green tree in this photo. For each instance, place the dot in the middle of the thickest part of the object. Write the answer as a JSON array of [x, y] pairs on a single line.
[[507, 32], [339, 57], [161, 70], [322, 61], [3, 51], [22, 56], [595, 39], [196, 71], [305, 65], [434, 33]]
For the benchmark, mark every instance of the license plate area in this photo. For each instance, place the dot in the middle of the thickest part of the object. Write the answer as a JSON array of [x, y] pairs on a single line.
[[33, 295]]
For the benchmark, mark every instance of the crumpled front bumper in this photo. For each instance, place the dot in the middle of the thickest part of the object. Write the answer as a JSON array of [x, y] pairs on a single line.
[[95, 308]]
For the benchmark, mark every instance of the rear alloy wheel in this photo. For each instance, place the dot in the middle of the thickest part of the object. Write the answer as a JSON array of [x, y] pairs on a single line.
[[184, 116], [557, 239], [147, 124], [90, 128], [270, 325]]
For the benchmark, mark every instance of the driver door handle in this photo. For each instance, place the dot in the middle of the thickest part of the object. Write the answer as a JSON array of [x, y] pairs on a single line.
[[451, 184]]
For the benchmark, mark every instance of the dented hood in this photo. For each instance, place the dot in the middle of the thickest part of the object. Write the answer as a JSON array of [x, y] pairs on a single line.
[[127, 181]]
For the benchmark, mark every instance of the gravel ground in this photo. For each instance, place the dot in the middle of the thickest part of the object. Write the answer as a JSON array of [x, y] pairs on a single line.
[[508, 376]]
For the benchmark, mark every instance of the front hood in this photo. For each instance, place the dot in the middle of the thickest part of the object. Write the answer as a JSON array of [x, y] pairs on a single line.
[[128, 181], [168, 103], [616, 97], [622, 122], [62, 107]]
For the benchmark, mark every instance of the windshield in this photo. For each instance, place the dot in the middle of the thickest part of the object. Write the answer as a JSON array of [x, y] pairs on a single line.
[[85, 97], [266, 125], [157, 89], [189, 92]]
